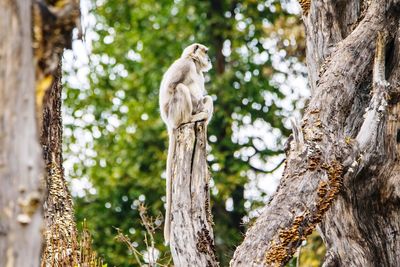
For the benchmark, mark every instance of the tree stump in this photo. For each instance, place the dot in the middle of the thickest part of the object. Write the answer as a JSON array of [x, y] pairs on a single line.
[[192, 240]]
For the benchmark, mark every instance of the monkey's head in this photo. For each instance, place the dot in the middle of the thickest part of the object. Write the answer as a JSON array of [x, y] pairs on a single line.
[[199, 53]]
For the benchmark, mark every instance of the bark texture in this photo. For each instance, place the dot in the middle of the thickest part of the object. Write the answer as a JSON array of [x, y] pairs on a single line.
[[53, 25], [20, 154], [342, 169], [192, 241], [61, 246]]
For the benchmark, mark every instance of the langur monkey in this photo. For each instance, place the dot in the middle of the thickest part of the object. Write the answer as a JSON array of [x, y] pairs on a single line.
[[183, 99]]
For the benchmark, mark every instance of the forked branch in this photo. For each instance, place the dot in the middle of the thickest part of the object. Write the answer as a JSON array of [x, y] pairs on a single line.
[[314, 174]]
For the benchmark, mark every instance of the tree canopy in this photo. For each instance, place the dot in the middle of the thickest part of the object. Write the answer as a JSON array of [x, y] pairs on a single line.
[[255, 47]]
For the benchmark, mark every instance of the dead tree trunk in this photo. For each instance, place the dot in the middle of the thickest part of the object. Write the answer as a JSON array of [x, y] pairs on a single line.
[[53, 25], [20, 154], [342, 170], [192, 241], [61, 246], [365, 218]]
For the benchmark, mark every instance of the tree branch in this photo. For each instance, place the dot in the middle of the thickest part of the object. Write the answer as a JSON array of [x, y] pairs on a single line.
[[313, 176], [267, 171]]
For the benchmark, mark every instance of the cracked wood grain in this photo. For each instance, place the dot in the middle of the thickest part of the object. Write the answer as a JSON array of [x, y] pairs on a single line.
[[327, 182], [192, 240]]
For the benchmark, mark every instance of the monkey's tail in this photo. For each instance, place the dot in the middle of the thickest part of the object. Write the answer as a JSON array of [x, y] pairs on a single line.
[[167, 222]]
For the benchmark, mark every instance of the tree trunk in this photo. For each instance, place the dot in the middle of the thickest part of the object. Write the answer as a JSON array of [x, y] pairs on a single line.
[[22, 87], [53, 25], [61, 246], [342, 169], [20, 154], [365, 219], [192, 241]]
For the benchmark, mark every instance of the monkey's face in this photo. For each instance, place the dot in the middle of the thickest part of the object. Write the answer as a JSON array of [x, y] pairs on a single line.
[[199, 53], [204, 58]]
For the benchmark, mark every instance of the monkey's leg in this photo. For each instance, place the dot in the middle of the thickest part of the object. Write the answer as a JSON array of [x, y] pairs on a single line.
[[206, 110], [208, 106], [180, 106]]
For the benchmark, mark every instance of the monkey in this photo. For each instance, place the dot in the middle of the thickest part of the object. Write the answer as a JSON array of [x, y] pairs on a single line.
[[183, 99]]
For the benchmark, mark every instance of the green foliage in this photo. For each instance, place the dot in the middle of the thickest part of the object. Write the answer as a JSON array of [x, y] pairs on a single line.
[[124, 158], [311, 254]]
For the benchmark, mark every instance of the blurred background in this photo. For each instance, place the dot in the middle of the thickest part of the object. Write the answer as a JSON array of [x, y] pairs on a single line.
[[115, 144]]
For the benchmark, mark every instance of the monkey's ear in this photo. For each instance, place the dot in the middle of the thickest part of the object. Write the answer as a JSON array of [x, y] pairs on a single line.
[[195, 48]]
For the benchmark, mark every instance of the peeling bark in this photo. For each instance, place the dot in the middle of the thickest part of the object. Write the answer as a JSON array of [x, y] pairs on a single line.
[[192, 241], [346, 177], [20, 155]]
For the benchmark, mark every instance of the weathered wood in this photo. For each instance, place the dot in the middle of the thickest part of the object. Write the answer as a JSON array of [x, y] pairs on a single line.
[[344, 179], [60, 246], [191, 241], [53, 23], [328, 23], [365, 219], [21, 166]]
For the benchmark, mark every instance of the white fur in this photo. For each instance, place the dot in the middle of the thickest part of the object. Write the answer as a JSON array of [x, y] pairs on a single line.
[[183, 100]]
